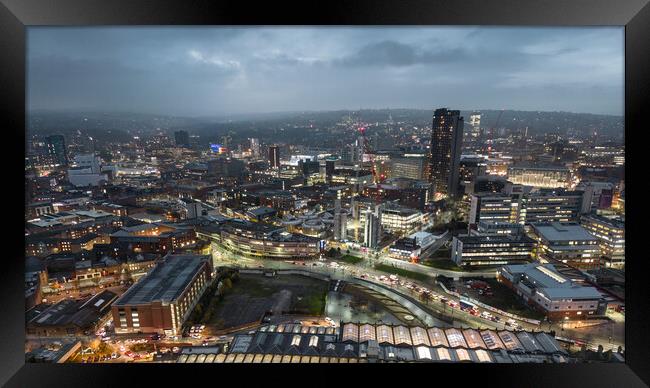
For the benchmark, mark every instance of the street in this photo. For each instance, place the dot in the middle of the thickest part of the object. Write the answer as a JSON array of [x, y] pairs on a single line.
[[610, 335]]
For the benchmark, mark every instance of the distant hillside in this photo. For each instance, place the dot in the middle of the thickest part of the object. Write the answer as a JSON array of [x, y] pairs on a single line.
[[112, 126]]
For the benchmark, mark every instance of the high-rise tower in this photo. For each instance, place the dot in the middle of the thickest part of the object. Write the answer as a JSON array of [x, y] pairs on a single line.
[[444, 156], [274, 156]]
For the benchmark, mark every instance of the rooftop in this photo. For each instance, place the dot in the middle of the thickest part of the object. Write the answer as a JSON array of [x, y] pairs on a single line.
[[551, 282], [562, 231], [469, 239], [387, 343], [81, 313], [165, 282]]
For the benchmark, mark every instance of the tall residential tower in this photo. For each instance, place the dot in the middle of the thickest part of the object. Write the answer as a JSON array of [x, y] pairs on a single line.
[[444, 156]]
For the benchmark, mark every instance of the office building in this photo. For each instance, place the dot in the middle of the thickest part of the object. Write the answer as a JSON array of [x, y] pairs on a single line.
[[567, 242], [549, 291], [56, 150], [610, 233], [492, 228], [224, 167], [182, 139], [444, 156], [471, 167], [491, 250], [489, 184], [526, 208], [553, 206], [413, 167], [330, 166], [493, 207], [601, 194], [399, 219], [274, 156], [162, 300]]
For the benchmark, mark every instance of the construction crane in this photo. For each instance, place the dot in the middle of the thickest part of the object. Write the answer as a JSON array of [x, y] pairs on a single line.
[[377, 179]]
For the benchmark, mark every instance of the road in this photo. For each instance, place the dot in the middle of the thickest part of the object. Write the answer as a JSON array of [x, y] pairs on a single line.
[[610, 335]]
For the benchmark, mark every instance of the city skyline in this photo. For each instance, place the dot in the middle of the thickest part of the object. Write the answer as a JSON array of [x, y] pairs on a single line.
[[358, 236], [217, 71]]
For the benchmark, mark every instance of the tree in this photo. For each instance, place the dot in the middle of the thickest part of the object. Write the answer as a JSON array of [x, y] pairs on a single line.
[[608, 355], [104, 349]]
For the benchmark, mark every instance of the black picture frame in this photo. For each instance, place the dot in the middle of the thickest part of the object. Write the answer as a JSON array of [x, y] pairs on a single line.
[[17, 15]]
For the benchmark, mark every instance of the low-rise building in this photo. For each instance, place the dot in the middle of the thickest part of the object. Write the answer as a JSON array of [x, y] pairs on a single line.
[[153, 238], [54, 353], [567, 242], [71, 317], [405, 248], [549, 291]]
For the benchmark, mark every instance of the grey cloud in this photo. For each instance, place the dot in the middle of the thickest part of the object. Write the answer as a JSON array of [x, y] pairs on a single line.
[[392, 53], [243, 70]]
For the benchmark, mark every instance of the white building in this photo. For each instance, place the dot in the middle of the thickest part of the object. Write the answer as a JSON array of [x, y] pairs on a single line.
[[551, 292], [340, 222], [86, 171], [372, 228], [424, 239]]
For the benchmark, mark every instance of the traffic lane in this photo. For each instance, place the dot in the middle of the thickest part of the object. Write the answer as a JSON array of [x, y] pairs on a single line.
[[342, 270], [459, 313]]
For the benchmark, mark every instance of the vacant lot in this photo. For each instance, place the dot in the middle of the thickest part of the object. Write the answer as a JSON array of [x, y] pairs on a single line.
[[253, 295]]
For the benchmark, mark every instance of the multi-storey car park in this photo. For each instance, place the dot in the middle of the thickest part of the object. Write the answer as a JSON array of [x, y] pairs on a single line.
[[162, 300]]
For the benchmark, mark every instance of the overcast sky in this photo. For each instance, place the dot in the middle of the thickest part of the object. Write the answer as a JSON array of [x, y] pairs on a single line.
[[199, 71]]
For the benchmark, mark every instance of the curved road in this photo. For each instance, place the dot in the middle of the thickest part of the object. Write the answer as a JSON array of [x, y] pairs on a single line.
[[609, 335]]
